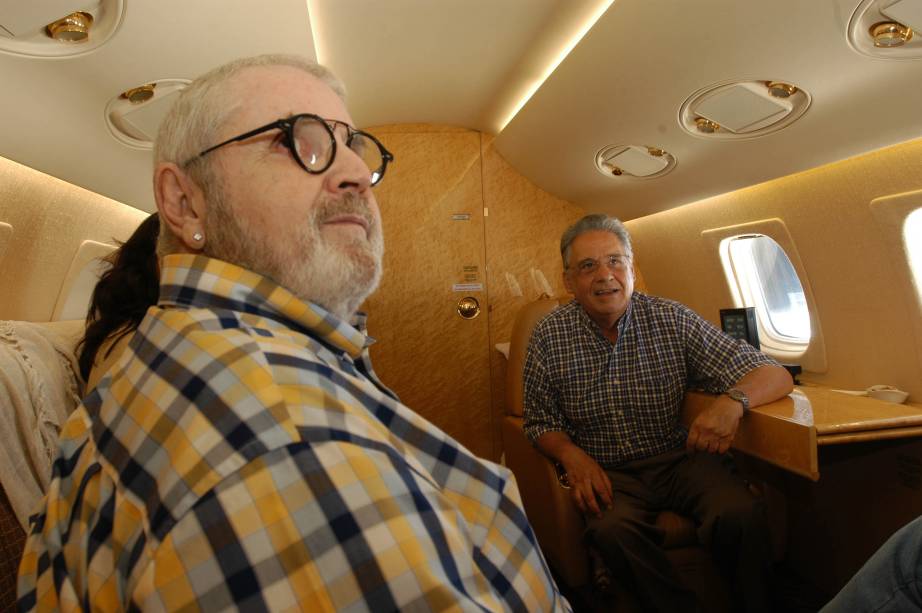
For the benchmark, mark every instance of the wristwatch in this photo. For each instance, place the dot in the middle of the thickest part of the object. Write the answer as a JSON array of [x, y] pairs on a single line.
[[740, 396]]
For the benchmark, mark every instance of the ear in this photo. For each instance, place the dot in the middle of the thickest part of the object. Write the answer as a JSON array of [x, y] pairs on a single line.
[[181, 204]]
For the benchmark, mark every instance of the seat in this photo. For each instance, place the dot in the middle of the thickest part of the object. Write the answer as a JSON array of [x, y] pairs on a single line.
[[557, 522], [12, 541], [39, 387]]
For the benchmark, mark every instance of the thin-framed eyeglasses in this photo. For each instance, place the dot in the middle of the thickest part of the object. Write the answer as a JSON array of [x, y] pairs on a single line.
[[312, 142], [615, 262]]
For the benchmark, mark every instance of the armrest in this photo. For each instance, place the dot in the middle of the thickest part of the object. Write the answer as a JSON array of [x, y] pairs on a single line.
[[557, 522]]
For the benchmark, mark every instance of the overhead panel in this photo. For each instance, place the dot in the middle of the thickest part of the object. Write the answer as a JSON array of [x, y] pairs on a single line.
[[737, 108], [146, 119], [743, 109], [887, 30], [634, 161], [26, 18], [907, 12], [134, 121]]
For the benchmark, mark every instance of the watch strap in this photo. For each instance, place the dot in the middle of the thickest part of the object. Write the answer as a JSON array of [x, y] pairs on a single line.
[[740, 396]]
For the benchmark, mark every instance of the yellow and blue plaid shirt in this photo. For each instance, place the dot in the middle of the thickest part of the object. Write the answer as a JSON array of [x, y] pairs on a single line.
[[242, 454]]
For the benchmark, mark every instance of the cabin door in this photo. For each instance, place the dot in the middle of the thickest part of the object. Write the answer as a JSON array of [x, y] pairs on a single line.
[[432, 205]]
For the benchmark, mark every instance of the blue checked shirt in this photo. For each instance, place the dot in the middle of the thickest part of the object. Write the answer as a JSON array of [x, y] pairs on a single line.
[[621, 402], [242, 454]]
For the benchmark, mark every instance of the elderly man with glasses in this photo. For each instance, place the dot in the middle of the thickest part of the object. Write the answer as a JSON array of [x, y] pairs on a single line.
[[243, 453], [604, 380]]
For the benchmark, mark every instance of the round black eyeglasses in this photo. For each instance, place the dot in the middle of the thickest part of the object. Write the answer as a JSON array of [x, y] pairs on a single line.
[[312, 142]]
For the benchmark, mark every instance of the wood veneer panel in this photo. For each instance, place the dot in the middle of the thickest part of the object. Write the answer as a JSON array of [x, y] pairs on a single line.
[[522, 233], [433, 359], [780, 433], [837, 413]]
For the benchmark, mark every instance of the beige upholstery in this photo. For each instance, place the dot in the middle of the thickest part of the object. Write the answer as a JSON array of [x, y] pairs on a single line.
[[77, 289], [39, 387], [557, 522]]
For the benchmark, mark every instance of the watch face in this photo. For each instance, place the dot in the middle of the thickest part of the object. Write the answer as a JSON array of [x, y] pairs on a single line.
[[739, 396]]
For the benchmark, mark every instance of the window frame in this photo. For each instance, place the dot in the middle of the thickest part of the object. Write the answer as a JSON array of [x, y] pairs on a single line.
[[810, 355], [749, 277], [914, 253], [890, 214]]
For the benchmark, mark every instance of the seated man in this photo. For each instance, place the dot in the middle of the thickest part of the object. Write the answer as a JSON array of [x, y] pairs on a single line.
[[242, 453], [604, 380]]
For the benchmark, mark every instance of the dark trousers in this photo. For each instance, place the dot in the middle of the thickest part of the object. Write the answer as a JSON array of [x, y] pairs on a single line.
[[731, 522]]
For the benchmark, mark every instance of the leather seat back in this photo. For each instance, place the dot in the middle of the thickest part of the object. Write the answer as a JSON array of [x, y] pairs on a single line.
[[525, 322]]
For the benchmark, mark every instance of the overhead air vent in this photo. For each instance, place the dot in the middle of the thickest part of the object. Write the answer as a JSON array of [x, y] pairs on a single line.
[[742, 109], [887, 29], [58, 28], [133, 116], [638, 161]]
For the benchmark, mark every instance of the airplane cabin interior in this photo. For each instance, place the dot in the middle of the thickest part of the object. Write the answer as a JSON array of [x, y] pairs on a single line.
[[766, 159]]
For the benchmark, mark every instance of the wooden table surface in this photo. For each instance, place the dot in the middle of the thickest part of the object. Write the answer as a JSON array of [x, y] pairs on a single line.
[[788, 432]]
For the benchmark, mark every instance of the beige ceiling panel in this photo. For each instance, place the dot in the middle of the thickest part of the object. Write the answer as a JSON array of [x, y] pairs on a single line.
[[419, 61], [54, 119], [465, 64], [628, 77]]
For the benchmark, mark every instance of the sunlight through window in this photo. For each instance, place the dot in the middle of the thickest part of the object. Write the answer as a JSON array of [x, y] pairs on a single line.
[[769, 282], [912, 234]]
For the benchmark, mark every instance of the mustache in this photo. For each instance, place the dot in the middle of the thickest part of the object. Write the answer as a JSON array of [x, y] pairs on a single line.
[[348, 204]]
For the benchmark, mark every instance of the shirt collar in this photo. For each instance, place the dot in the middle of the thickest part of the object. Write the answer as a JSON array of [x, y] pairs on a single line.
[[197, 281], [622, 324]]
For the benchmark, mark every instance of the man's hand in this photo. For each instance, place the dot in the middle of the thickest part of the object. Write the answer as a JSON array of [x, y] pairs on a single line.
[[714, 428], [589, 484]]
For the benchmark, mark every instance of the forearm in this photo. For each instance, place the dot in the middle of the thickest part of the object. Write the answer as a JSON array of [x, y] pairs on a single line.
[[765, 384], [590, 486], [557, 445]]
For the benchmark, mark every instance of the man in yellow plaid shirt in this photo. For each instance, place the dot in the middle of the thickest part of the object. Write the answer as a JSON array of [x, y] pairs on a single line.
[[242, 454]]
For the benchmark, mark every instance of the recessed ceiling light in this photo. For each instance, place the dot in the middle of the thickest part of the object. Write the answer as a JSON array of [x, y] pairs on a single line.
[[75, 28], [884, 29], [706, 126], [139, 95], [890, 34], [781, 90]]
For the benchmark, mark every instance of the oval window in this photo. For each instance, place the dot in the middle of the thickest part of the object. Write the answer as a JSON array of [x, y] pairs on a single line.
[[767, 280], [912, 234]]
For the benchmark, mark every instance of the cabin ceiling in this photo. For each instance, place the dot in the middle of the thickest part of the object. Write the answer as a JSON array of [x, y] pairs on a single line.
[[469, 63]]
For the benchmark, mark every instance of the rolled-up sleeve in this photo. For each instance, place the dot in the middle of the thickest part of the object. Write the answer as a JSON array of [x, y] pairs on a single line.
[[542, 406], [716, 361]]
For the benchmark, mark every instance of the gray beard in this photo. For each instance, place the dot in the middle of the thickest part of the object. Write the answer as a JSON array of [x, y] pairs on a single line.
[[337, 277]]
